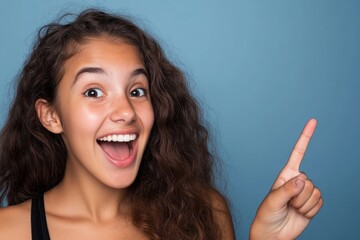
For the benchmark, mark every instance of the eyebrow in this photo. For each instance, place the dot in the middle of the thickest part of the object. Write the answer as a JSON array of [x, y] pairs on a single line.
[[139, 71], [98, 70]]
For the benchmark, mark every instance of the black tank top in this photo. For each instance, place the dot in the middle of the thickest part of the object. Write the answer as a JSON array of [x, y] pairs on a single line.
[[39, 230]]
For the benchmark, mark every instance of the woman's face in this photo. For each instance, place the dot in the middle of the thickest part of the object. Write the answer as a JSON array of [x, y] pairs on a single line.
[[105, 111]]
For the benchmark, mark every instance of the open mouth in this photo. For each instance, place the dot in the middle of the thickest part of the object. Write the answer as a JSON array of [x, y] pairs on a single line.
[[118, 147]]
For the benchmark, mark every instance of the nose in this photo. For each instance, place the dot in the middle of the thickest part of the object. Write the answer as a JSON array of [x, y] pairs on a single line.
[[122, 110]]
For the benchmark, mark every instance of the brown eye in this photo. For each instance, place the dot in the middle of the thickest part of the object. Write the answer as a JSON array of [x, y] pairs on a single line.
[[94, 92], [139, 92]]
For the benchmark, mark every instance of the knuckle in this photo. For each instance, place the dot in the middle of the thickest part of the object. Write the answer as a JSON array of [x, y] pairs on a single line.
[[317, 193], [300, 150], [309, 186], [296, 203]]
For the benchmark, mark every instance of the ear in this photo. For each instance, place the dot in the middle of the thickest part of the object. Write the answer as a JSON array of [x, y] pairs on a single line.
[[48, 116]]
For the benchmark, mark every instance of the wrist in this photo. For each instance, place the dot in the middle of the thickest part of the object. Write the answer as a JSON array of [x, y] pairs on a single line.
[[254, 232], [257, 232]]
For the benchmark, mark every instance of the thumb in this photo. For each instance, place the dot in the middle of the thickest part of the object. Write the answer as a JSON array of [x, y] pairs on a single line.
[[282, 195]]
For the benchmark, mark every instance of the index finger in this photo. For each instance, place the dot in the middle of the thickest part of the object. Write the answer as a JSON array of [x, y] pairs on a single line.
[[301, 145]]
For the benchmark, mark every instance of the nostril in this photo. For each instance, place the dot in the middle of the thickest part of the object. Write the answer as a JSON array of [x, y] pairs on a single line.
[[123, 113]]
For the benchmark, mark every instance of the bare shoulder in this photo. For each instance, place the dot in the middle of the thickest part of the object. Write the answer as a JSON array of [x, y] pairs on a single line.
[[15, 221], [222, 215]]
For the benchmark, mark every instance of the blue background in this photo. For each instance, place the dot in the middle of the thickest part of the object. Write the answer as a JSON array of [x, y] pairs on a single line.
[[260, 69]]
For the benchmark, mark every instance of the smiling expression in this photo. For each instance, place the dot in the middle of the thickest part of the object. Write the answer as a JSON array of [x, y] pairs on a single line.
[[104, 108]]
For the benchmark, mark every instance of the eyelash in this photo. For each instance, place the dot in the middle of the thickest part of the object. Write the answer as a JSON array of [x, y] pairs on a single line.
[[138, 92], [96, 90]]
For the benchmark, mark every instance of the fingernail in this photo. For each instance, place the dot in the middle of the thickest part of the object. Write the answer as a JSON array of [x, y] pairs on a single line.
[[302, 176], [299, 183]]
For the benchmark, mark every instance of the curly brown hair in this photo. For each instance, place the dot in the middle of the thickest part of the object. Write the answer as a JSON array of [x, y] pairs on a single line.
[[170, 198]]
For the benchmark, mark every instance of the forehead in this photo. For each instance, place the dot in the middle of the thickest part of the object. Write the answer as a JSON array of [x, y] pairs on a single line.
[[102, 49]]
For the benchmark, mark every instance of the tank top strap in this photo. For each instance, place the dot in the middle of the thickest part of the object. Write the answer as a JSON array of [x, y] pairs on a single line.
[[39, 229]]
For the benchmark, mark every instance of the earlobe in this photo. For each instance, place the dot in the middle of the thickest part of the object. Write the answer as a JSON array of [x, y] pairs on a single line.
[[48, 116]]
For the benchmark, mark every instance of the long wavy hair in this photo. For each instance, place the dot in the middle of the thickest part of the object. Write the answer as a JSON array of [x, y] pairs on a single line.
[[170, 197]]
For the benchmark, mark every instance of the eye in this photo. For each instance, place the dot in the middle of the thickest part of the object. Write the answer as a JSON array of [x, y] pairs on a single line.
[[138, 92], [94, 93]]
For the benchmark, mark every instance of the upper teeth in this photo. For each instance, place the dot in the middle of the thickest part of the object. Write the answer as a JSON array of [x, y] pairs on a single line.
[[119, 138]]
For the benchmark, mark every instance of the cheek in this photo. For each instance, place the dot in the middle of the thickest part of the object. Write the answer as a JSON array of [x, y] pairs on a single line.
[[80, 119], [92, 115], [147, 116]]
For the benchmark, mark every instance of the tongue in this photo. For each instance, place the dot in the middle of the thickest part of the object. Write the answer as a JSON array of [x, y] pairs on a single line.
[[118, 151]]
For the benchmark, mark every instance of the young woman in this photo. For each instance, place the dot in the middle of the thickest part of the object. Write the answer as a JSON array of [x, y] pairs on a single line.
[[104, 141]]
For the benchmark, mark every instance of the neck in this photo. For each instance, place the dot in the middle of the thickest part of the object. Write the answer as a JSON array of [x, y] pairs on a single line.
[[83, 195]]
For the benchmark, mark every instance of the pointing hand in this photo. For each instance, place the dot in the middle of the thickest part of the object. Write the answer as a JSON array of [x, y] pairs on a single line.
[[293, 200]]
